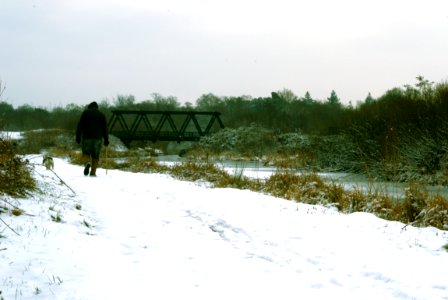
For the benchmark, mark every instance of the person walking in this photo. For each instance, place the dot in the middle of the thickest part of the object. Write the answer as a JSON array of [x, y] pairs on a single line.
[[90, 133]]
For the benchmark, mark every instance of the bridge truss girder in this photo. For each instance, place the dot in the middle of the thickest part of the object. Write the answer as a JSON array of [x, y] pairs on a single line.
[[132, 125]]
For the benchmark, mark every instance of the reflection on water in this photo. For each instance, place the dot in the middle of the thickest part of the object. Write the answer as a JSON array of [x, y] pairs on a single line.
[[256, 170]]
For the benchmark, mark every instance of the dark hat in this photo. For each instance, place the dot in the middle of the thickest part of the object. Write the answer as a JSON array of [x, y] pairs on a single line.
[[93, 105]]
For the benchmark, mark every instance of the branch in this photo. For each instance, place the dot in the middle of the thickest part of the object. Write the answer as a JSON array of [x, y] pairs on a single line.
[[9, 227], [63, 181], [417, 218]]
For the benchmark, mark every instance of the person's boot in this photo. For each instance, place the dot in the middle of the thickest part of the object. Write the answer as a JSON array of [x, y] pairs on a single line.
[[87, 169], [86, 158], [94, 166]]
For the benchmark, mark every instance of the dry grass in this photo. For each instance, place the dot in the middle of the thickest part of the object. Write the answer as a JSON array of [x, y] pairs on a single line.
[[413, 203], [15, 175], [16, 212], [109, 160], [218, 177], [196, 171], [34, 141], [436, 212], [417, 207], [308, 187], [143, 164]]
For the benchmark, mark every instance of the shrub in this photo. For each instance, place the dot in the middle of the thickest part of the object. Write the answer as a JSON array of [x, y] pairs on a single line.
[[436, 213], [413, 203], [196, 171], [308, 187], [15, 173], [36, 140], [142, 164]]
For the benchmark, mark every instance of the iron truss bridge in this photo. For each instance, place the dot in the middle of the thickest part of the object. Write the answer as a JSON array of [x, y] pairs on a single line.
[[133, 125]]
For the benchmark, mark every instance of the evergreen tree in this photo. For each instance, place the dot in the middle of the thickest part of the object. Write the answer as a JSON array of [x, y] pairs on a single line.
[[307, 98], [334, 99], [369, 99]]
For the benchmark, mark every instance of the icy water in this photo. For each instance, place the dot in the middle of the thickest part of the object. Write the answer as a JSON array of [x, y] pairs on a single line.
[[256, 170]]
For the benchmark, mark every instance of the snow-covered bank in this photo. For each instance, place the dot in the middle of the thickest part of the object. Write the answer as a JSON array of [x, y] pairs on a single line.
[[148, 236]]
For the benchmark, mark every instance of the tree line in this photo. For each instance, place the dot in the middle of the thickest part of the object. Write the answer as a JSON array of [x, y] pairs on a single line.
[[282, 111]]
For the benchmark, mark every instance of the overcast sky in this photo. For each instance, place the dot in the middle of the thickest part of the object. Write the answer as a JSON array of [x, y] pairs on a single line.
[[56, 52]]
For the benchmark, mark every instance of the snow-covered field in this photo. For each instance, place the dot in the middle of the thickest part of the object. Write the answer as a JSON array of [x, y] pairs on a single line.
[[148, 236]]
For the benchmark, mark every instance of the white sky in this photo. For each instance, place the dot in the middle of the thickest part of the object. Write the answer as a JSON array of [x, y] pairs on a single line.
[[56, 52]]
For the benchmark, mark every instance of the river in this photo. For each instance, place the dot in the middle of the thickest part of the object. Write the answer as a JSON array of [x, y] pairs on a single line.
[[350, 181]]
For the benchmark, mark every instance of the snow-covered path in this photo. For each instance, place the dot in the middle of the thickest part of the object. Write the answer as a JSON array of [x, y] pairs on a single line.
[[148, 236]]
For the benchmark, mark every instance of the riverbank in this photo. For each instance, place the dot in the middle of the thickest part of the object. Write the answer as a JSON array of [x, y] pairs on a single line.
[[415, 205]]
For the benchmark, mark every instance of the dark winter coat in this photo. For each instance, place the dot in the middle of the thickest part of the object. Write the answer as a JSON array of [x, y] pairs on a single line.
[[92, 125]]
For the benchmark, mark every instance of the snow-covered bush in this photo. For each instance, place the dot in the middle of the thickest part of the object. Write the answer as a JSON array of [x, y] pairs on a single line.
[[333, 152], [248, 141], [291, 142], [424, 152]]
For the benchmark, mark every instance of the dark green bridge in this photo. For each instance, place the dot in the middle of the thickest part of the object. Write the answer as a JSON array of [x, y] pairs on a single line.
[[133, 125]]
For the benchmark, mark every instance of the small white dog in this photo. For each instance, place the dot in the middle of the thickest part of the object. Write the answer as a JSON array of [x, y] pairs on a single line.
[[48, 162]]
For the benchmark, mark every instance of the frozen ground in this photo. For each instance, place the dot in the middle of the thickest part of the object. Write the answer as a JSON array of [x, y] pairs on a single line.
[[148, 236]]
